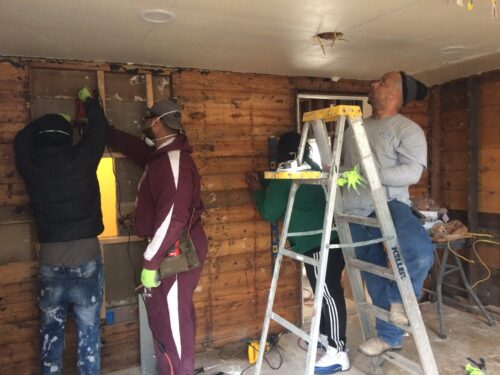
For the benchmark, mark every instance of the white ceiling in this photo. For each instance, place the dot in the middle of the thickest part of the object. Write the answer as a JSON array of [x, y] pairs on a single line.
[[271, 36]]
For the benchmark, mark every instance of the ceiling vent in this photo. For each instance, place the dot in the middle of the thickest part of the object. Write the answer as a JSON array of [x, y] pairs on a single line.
[[157, 16]]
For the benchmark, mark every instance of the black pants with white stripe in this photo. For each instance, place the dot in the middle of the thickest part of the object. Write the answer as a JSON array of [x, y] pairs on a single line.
[[333, 315]]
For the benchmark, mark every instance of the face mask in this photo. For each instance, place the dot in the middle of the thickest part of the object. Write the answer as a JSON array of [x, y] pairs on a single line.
[[149, 141], [148, 137]]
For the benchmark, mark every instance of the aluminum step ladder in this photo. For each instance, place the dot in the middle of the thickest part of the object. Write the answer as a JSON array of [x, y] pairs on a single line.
[[315, 121]]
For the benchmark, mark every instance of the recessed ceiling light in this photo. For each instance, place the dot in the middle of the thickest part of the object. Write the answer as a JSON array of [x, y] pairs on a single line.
[[157, 16], [451, 50]]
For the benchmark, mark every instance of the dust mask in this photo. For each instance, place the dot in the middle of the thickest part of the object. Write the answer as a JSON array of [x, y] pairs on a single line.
[[148, 134], [149, 141]]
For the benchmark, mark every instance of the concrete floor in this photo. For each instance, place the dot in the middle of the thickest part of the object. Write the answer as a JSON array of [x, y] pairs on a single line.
[[468, 336]]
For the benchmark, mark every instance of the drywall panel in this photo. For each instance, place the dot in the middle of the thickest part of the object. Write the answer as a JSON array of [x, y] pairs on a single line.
[[16, 240], [123, 264]]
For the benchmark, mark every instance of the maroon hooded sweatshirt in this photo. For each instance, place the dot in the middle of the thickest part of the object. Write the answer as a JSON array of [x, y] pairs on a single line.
[[168, 197]]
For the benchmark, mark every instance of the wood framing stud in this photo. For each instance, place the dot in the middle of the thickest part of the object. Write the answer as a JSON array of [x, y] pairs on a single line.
[[472, 164], [149, 90], [435, 118], [472, 151], [101, 88]]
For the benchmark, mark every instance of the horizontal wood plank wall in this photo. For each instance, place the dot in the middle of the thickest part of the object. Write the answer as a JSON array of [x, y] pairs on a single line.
[[454, 115], [228, 118]]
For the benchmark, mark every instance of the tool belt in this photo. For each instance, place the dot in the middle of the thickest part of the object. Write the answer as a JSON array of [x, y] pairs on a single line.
[[181, 257]]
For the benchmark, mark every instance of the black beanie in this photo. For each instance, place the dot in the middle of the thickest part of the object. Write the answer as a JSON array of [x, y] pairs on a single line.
[[53, 130], [288, 149], [412, 89], [288, 145]]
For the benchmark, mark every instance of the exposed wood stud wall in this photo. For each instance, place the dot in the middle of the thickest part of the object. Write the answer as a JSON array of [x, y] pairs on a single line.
[[228, 118], [470, 132]]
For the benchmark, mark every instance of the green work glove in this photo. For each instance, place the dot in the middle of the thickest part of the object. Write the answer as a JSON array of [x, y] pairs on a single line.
[[84, 94], [471, 370], [149, 278], [66, 116], [352, 179]]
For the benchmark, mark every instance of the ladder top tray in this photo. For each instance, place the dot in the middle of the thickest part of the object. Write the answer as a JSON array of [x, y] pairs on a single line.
[[298, 175], [332, 113]]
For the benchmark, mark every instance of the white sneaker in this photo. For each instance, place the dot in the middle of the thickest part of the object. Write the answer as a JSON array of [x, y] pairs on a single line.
[[397, 314], [333, 361]]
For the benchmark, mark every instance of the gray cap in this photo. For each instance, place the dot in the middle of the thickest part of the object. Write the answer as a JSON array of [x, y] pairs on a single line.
[[170, 113]]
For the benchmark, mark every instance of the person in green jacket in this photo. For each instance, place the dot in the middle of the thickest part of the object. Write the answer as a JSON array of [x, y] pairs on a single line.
[[307, 215]]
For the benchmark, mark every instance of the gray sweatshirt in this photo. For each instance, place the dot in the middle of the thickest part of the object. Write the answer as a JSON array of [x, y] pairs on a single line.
[[399, 149]]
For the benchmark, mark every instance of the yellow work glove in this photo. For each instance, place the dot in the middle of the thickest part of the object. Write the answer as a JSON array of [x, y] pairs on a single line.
[[352, 179], [84, 94], [149, 278]]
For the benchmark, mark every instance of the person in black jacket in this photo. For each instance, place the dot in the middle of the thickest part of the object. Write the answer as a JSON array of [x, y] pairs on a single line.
[[62, 184]]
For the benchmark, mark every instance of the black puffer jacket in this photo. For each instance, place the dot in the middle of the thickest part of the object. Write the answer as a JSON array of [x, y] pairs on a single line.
[[62, 181]]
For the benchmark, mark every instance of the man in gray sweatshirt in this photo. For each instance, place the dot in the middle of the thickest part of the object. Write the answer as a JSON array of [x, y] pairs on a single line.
[[399, 149]]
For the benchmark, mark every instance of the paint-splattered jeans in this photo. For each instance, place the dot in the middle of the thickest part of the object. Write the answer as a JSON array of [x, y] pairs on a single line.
[[418, 254], [80, 290]]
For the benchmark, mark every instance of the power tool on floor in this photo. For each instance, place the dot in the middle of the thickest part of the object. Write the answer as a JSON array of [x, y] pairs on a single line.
[[475, 368]]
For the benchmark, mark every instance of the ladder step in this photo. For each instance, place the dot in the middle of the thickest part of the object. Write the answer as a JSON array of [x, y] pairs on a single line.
[[372, 268], [361, 243], [308, 233], [382, 314], [403, 362], [291, 327], [363, 220], [300, 257]]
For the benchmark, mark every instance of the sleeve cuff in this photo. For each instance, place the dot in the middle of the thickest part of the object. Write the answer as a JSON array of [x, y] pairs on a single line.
[[152, 265]]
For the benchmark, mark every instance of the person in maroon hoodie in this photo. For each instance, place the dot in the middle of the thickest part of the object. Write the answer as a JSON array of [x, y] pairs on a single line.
[[168, 200]]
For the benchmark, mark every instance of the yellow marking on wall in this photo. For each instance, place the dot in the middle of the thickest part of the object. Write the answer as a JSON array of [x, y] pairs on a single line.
[[107, 184]]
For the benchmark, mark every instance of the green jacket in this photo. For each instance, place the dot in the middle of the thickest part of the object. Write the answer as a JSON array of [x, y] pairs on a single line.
[[308, 212]]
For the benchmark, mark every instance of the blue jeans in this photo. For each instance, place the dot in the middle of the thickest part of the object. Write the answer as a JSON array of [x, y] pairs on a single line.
[[418, 254], [79, 289]]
